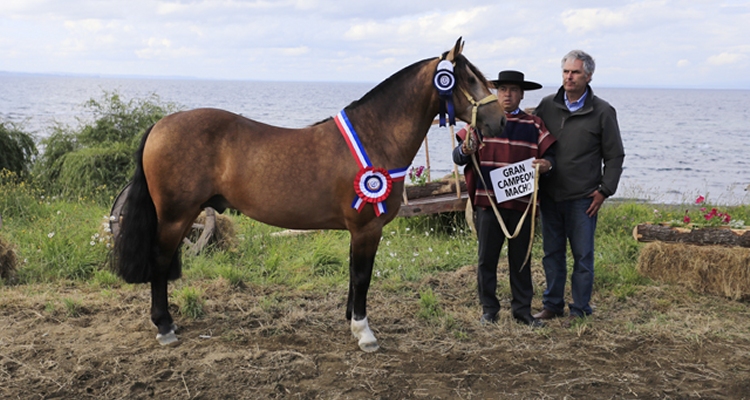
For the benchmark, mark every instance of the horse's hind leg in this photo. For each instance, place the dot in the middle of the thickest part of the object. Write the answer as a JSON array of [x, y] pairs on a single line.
[[361, 259], [159, 310], [168, 267]]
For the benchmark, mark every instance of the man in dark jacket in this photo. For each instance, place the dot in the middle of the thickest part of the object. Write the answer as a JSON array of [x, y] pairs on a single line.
[[589, 159], [524, 137]]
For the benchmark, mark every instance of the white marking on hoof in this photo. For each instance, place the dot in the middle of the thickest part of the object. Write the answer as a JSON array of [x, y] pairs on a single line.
[[167, 338], [361, 331]]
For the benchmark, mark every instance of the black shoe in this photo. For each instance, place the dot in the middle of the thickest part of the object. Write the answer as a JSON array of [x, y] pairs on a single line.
[[488, 319], [547, 314], [529, 320]]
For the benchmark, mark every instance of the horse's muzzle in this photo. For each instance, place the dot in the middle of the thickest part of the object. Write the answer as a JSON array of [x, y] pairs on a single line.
[[493, 127]]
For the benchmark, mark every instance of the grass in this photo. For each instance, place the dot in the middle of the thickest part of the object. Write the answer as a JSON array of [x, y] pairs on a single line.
[[63, 241], [270, 296]]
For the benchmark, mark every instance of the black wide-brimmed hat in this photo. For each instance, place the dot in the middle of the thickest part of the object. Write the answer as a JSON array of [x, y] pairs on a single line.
[[515, 78]]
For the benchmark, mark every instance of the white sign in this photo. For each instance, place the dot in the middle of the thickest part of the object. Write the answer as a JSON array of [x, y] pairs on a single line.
[[513, 181]]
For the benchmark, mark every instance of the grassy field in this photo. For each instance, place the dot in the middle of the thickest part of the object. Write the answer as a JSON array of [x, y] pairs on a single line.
[[276, 303]]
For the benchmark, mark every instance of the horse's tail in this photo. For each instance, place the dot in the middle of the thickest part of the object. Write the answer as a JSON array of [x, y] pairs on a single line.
[[135, 248]]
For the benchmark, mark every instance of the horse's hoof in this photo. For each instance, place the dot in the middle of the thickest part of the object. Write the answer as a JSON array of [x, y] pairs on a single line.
[[169, 337], [361, 331], [369, 347]]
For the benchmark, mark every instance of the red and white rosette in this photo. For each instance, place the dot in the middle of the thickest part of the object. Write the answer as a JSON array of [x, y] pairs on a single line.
[[373, 185]]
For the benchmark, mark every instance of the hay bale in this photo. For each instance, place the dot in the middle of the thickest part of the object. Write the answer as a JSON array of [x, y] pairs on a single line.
[[224, 236], [7, 260], [723, 271]]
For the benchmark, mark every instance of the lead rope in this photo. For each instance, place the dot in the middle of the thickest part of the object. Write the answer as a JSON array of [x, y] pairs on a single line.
[[531, 205]]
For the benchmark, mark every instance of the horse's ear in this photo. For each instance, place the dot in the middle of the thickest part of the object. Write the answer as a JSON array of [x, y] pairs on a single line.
[[456, 50]]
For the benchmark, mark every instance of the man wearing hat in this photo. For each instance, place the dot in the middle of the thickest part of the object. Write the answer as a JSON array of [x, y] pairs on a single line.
[[524, 137]]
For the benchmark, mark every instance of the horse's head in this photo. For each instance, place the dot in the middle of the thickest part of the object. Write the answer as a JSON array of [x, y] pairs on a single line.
[[474, 102]]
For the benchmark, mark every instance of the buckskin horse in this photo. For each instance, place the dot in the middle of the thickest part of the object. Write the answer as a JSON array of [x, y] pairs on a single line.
[[345, 172]]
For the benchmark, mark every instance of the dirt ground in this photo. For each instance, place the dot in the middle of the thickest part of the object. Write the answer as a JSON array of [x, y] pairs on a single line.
[[261, 342]]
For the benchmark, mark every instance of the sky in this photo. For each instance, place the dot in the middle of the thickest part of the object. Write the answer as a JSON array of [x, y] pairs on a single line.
[[669, 44]]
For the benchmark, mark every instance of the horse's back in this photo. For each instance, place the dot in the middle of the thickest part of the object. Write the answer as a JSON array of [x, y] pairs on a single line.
[[259, 169]]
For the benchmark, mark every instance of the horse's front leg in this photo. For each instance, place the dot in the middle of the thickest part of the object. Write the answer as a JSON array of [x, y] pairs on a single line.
[[361, 259]]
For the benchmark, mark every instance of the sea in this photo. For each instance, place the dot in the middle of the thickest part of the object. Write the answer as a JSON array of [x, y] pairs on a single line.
[[679, 143]]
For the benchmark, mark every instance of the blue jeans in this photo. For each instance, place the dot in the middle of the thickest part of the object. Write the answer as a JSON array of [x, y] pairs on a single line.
[[561, 221]]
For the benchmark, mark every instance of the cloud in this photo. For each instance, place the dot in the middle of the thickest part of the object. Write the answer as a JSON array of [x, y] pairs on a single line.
[[293, 51], [683, 40], [162, 48], [431, 26], [726, 59], [591, 19], [89, 25]]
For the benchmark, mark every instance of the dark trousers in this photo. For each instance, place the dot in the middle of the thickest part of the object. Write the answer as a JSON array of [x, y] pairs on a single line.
[[491, 239]]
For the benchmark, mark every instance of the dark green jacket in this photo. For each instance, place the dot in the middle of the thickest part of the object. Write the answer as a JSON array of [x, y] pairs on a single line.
[[589, 147]]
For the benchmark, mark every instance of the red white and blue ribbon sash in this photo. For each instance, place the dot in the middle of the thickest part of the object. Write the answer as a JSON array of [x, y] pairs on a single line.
[[372, 184]]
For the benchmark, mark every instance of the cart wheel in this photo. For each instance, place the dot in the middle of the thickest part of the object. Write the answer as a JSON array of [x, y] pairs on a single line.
[[202, 232], [115, 215]]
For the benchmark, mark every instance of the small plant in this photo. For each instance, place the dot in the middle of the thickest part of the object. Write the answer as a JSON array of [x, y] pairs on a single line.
[[234, 276], [325, 263], [429, 306], [419, 175], [706, 217], [72, 307], [190, 302], [106, 279]]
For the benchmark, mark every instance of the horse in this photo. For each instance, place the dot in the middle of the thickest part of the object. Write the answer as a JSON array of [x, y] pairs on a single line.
[[345, 172]]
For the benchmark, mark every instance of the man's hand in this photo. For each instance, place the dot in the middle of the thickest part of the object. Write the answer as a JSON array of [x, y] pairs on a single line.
[[470, 145], [544, 165], [596, 204]]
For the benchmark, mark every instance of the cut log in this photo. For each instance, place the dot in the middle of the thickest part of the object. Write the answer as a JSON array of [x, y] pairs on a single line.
[[700, 236]]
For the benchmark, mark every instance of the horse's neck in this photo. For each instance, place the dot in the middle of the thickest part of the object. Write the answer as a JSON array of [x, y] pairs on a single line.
[[392, 129]]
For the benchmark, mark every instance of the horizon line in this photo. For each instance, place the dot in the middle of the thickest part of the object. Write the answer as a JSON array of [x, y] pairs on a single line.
[[193, 78]]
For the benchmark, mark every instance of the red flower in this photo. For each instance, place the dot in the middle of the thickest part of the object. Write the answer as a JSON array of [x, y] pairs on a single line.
[[700, 200], [727, 218], [686, 219]]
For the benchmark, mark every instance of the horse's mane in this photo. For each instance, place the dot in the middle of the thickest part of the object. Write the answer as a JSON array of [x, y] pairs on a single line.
[[462, 80], [462, 77], [381, 87]]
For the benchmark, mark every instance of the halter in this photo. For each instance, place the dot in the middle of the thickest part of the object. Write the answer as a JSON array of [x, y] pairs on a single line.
[[476, 104]]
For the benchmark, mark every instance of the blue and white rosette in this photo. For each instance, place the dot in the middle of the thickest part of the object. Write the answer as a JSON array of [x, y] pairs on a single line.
[[444, 81]]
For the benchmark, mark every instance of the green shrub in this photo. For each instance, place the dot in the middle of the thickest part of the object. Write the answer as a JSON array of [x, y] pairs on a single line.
[[17, 149], [96, 160], [95, 172]]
